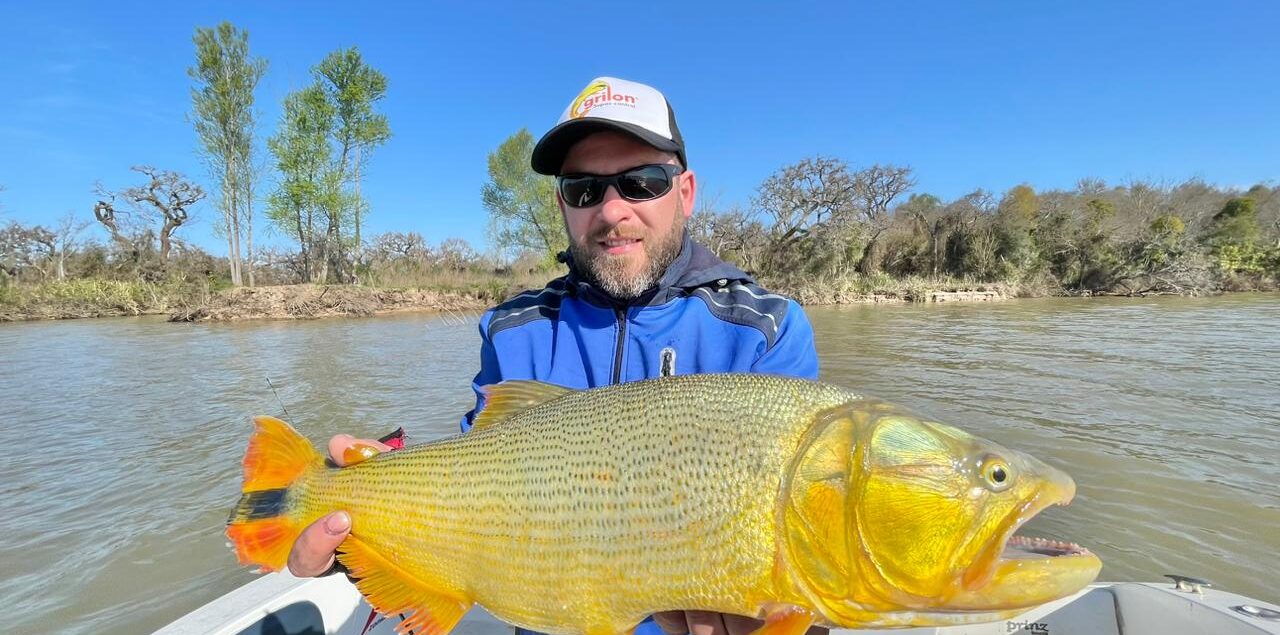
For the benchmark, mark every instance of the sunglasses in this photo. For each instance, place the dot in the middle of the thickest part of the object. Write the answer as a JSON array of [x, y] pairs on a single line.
[[641, 183]]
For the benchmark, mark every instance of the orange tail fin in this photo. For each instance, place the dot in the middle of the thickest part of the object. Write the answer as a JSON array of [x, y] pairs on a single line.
[[261, 528]]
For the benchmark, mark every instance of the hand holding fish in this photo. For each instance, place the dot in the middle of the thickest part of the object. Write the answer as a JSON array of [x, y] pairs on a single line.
[[315, 550]]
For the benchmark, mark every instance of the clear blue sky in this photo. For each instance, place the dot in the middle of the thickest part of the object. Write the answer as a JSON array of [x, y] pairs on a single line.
[[970, 94]]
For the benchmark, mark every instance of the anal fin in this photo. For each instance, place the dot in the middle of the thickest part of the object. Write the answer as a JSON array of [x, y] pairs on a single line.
[[391, 590]]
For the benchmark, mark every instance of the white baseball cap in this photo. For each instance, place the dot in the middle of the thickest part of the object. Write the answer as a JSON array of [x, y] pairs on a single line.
[[609, 103]]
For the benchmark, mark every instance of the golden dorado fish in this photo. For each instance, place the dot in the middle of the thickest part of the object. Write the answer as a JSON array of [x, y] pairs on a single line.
[[582, 512]]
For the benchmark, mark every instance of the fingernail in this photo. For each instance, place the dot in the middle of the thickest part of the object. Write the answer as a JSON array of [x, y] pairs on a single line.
[[337, 524], [357, 452]]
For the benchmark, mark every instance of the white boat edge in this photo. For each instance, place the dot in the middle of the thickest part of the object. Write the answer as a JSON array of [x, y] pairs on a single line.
[[280, 603]]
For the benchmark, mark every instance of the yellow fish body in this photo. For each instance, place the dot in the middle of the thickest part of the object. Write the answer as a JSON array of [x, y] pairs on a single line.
[[581, 512]]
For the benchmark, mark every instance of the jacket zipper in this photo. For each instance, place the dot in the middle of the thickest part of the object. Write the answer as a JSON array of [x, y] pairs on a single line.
[[622, 339]]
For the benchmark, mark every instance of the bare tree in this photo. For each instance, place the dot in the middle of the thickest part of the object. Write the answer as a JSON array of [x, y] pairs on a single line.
[[66, 236], [111, 218], [168, 195], [874, 190], [802, 198], [25, 248]]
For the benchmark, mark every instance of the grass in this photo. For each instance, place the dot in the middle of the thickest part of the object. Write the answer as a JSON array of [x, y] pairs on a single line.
[[486, 285], [385, 286], [92, 297], [857, 287]]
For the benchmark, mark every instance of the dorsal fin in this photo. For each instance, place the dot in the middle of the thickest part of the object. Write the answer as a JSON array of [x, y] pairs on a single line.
[[509, 398]]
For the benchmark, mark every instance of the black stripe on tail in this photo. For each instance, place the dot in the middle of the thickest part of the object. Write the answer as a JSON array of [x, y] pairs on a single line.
[[267, 503]]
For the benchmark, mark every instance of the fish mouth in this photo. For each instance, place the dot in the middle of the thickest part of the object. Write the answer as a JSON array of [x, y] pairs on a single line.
[[1027, 547], [1022, 571]]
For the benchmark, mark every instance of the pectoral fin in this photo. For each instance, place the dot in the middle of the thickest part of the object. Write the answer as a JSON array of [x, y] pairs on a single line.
[[785, 620], [509, 398], [391, 590]]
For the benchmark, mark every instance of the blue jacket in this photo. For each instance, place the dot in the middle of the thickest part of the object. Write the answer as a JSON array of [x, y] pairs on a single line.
[[704, 316]]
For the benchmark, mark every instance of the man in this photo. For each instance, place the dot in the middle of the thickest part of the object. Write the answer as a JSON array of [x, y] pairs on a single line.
[[641, 299]]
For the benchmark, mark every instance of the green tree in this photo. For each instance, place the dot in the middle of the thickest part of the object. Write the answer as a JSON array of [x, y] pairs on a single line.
[[1015, 221], [353, 88], [523, 215], [1236, 224], [225, 78], [1095, 252], [1233, 236], [304, 160], [931, 226]]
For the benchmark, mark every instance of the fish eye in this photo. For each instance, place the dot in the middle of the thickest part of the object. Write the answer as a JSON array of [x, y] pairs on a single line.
[[997, 476]]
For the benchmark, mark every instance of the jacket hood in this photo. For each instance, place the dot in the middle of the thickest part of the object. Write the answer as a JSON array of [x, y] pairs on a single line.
[[694, 267]]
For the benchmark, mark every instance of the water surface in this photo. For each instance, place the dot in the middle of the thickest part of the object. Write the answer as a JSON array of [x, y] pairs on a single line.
[[124, 435]]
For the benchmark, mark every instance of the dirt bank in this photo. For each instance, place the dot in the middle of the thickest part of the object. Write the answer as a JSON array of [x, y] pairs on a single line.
[[307, 301]]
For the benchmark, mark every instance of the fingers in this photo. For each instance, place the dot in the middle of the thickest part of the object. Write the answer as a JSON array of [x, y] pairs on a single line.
[[345, 449], [708, 623], [741, 625], [672, 622], [705, 623], [313, 552]]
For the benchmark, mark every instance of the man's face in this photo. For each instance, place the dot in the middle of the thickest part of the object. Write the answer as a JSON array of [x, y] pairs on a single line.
[[625, 246]]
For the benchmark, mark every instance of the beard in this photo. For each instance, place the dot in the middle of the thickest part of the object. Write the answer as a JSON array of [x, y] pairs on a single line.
[[619, 277]]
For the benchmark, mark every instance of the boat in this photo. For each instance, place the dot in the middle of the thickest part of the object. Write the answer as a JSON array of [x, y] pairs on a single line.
[[281, 604]]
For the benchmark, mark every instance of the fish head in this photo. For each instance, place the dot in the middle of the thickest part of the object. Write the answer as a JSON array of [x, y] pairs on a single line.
[[896, 520]]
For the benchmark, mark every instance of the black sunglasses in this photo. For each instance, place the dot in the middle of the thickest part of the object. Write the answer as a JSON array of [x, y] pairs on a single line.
[[641, 183]]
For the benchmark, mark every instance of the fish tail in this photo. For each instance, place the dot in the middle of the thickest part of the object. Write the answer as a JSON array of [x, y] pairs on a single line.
[[261, 528]]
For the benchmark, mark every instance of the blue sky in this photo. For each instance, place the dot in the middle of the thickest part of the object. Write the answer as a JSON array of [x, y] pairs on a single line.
[[986, 94]]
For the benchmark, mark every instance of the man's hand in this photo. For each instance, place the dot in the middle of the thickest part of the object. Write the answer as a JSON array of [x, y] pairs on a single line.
[[314, 552], [708, 623]]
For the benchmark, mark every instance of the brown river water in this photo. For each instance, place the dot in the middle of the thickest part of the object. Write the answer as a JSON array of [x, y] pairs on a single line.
[[122, 437]]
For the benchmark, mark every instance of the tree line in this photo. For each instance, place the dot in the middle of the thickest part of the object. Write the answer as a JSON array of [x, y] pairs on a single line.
[[818, 219]]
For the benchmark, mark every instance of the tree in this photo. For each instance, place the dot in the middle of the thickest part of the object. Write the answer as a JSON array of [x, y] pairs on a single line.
[[523, 215], [456, 254], [1095, 251], [1015, 221], [168, 196], [928, 218], [1236, 224], [303, 158], [875, 189], [133, 242], [23, 248], [65, 236], [1233, 237], [353, 88], [165, 198], [801, 200], [222, 98]]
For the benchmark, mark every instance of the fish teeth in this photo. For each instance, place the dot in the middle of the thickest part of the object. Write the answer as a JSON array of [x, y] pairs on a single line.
[[1047, 543]]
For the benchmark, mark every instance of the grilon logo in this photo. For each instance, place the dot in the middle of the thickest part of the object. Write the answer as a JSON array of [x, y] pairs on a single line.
[[598, 93]]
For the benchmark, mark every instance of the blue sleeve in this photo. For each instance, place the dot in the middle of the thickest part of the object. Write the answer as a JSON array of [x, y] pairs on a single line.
[[489, 373], [793, 352]]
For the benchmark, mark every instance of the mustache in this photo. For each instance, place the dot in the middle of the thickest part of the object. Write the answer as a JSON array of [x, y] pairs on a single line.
[[615, 234]]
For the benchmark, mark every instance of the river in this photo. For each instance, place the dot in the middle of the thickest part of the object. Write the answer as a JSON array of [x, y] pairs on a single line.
[[122, 437]]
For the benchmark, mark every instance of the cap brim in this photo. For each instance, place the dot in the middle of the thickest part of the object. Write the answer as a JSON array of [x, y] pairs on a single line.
[[549, 153]]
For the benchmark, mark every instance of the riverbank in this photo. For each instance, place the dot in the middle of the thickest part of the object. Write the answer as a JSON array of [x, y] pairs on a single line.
[[310, 301], [197, 302]]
